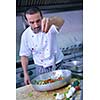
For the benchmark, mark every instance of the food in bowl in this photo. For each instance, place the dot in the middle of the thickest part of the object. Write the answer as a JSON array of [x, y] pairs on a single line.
[[50, 80]]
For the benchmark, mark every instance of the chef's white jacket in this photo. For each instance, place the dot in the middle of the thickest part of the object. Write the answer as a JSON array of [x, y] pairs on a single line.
[[43, 46]]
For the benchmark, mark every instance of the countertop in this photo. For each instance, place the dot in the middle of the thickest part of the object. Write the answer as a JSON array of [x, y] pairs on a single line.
[[28, 93]]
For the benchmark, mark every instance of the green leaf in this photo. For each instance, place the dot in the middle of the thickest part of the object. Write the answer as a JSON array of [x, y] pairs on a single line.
[[55, 94], [30, 94]]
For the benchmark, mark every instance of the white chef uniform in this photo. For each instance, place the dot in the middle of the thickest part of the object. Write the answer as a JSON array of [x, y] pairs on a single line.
[[43, 46]]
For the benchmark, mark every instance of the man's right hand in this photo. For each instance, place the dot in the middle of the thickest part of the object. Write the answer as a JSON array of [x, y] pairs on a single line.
[[26, 79], [24, 62]]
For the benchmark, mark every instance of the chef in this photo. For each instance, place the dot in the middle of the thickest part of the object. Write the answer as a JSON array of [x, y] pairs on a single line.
[[39, 40]]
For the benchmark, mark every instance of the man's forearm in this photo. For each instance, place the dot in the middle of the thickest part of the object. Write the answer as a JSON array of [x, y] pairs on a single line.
[[24, 62]]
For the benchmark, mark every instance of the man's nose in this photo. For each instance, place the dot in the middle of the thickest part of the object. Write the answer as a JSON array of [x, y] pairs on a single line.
[[35, 25]]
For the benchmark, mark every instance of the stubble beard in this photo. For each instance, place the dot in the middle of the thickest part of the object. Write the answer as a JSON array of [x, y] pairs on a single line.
[[37, 29]]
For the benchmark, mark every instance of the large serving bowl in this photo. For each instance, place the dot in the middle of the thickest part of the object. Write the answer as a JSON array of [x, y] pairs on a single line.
[[66, 74]]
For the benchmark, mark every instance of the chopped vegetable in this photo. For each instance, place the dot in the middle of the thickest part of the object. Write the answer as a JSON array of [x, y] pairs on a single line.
[[77, 88], [59, 96], [75, 83], [65, 93], [70, 90], [68, 87], [67, 98], [42, 82], [30, 94], [54, 94]]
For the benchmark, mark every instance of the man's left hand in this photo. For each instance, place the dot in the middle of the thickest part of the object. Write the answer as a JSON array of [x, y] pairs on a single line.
[[46, 24]]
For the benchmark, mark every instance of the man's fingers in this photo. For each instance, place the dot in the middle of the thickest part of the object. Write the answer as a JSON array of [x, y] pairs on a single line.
[[27, 82], [46, 25], [43, 24]]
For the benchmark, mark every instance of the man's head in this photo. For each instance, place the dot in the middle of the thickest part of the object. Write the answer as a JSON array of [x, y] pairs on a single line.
[[34, 18]]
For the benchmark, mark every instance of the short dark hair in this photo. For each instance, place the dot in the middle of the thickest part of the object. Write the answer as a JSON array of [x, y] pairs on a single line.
[[33, 10]]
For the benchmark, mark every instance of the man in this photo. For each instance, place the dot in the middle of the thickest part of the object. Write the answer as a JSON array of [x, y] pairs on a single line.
[[39, 39]]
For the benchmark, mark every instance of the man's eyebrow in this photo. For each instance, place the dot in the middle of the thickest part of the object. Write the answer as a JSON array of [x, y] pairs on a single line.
[[32, 22], [38, 20]]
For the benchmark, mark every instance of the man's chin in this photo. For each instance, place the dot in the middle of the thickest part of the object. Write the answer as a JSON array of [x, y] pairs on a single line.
[[36, 32]]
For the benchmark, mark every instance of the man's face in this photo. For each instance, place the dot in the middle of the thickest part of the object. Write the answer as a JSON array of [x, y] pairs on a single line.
[[34, 20]]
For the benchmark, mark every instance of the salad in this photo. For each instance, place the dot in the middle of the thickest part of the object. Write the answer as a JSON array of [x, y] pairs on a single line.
[[50, 80]]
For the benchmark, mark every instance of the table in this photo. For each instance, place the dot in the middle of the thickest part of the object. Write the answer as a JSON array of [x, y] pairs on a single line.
[[28, 93]]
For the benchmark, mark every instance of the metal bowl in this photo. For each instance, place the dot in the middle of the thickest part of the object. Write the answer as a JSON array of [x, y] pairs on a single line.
[[74, 65], [54, 85]]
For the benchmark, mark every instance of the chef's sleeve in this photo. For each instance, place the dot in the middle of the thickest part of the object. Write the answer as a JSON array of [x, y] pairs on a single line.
[[24, 48]]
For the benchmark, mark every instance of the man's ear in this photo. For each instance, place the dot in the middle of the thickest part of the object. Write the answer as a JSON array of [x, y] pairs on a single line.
[[25, 20]]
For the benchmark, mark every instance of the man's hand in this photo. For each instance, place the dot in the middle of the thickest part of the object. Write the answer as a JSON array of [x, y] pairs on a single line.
[[24, 62], [26, 79], [46, 24]]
